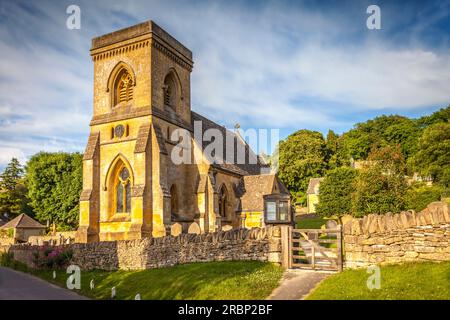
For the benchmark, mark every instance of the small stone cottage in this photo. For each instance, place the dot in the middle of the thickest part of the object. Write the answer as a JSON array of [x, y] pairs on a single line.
[[312, 194], [23, 227]]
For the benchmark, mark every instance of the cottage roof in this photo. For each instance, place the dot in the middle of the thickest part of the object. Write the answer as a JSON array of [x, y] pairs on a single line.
[[313, 182], [254, 187], [23, 221]]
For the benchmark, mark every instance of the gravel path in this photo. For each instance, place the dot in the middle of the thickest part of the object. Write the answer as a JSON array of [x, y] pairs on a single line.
[[296, 284]]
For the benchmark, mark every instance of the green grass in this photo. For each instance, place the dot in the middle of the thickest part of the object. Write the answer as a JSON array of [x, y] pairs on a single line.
[[310, 223], [211, 280], [408, 281]]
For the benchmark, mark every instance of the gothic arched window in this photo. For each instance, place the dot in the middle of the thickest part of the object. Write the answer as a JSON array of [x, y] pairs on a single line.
[[223, 201], [170, 91], [123, 191], [123, 87]]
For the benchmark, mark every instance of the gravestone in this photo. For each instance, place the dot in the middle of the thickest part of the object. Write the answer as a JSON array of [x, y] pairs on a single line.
[[194, 228], [227, 227], [176, 229], [331, 224]]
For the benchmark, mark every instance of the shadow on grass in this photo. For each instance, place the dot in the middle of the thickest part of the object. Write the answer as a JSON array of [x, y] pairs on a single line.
[[209, 280]]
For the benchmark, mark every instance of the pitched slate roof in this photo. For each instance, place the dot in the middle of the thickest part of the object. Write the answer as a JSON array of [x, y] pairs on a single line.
[[23, 221], [241, 169], [313, 182], [253, 189]]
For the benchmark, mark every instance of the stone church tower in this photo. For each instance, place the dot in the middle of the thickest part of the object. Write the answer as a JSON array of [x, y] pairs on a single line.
[[131, 188]]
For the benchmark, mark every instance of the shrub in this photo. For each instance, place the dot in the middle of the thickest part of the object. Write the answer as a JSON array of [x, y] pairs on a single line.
[[420, 195], [7, 260], [54, 257]]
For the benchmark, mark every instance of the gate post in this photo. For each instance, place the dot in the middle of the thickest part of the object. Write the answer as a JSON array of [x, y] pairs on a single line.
[[339, 248], [286, 250]]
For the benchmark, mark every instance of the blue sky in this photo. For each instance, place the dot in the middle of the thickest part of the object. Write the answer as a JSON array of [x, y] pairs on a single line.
[[264, 64]]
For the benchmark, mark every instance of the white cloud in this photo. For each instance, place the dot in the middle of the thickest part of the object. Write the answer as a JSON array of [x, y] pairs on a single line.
[[6, 154], [263, 66]]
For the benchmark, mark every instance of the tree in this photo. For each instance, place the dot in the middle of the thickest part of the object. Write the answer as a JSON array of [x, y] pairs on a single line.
[[13, 193], [440, 116], [335, 154], [382, 131], [336, 189], [433, 156], [300, 157], [381, 185], [12, 175], [55, 181]]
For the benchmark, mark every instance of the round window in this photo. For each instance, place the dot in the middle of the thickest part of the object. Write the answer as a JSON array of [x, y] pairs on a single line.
[[119, 131]]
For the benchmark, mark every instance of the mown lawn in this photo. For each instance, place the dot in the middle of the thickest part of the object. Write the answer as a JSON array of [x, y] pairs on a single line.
[[408, 281], [310, 223], [211, 280]]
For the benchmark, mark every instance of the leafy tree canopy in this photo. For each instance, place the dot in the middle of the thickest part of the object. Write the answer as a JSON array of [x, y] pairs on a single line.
[[440, 116], [335, 192], [380, 132], [433, 156], [381, 185], [301, 156], [55, 181]]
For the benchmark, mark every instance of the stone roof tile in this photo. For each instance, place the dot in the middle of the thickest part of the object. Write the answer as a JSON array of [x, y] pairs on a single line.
[[23, 221]]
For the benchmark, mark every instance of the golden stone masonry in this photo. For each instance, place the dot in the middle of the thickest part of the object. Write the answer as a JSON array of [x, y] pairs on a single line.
[[131, 187]]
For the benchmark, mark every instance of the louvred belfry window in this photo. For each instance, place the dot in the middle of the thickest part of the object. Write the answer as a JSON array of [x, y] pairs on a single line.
[[124, 87]]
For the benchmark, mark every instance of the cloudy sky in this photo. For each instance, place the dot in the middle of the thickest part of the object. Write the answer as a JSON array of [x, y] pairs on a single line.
[[263, 64]]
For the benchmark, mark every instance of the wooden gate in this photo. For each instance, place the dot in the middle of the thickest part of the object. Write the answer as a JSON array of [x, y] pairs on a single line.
[[317, 249]]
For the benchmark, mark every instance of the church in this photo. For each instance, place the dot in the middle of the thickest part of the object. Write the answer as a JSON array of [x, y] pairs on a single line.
[[132, 188]]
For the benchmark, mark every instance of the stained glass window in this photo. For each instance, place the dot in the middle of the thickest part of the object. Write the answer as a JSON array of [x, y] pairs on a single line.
[[123, 192], [128, 197], [124, 174], [119, 197]]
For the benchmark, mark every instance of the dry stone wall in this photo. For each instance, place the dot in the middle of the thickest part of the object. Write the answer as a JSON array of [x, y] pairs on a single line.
[[239, 244], [408, 236]]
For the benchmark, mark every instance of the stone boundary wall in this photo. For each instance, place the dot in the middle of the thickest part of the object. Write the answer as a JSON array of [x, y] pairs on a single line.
[[65, 237], [239, 244], [404, 237]]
